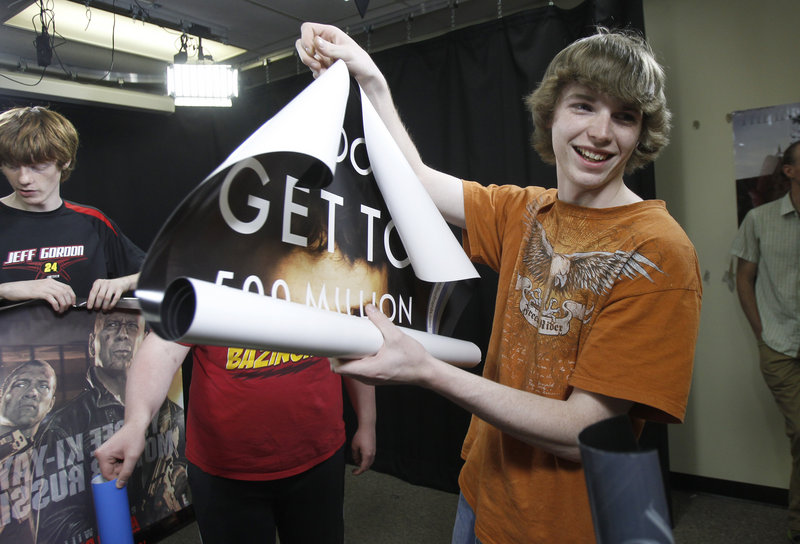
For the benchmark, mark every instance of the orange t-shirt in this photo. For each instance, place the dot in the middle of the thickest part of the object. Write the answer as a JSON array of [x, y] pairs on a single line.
[[606, 300]]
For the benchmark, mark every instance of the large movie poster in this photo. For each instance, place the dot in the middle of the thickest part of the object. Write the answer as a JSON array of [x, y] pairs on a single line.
[[311, 218], [63, 381]]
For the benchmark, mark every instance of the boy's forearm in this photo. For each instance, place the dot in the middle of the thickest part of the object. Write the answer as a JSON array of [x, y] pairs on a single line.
[[149, 378]]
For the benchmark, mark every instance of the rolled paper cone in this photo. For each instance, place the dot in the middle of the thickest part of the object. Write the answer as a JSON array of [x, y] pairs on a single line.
[[625, 485], [200, 312], [112, 511]]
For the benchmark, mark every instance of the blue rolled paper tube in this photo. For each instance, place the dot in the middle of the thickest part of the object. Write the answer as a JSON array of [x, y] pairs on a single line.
[[113, 512]]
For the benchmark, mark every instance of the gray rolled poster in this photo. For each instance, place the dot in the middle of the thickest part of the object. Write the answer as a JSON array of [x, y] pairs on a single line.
[[625, 486]]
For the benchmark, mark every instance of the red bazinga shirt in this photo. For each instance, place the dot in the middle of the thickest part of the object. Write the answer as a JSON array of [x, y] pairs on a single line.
[[261, 415]]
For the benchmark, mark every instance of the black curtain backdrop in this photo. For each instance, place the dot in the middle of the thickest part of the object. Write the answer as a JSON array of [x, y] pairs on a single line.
[[461, 97]]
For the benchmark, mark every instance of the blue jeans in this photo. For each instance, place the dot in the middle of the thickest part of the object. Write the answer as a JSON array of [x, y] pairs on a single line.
[[464, 526]]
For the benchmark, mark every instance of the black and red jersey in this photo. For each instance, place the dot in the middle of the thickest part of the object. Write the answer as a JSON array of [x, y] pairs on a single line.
[[75, 244]]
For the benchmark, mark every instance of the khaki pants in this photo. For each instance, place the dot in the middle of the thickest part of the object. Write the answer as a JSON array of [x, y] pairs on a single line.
[[782, 375]]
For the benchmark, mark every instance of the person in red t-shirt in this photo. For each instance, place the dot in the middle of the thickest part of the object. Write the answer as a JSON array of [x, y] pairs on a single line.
[[265, 433]]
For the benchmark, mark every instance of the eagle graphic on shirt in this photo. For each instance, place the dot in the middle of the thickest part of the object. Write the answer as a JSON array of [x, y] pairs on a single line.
[[564, 273]]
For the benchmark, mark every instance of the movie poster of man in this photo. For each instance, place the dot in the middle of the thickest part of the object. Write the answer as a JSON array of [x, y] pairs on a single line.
[[760, 136], [63, 394]]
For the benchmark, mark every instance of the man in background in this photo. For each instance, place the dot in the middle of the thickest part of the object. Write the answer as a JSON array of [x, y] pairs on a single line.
[[767, 279]]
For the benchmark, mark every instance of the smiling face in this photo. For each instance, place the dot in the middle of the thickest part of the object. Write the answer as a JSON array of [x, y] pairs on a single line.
[[616, 63], [36, 186], [594, 135], [117, 336], [28, 395]]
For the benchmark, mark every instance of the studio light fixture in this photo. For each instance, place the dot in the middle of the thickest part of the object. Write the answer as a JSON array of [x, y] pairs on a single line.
[[202, 84]]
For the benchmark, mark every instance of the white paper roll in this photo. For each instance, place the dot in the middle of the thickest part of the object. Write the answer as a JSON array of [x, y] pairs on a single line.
[[200, 312]]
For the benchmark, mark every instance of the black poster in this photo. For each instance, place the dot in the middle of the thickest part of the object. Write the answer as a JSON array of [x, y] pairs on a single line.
[[305, 212]]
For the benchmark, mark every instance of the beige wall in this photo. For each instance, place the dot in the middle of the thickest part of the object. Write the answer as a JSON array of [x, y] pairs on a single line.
[[722, 56]]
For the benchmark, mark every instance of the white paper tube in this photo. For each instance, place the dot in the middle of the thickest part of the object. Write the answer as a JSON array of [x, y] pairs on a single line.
[[200, 312]]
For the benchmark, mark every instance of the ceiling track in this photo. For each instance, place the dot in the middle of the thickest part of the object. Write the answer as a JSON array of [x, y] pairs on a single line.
[[29, 67], [176, 21]]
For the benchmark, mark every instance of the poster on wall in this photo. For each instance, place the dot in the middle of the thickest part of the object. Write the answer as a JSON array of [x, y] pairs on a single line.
[[313, 217], [63, 380], [760, 136]]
